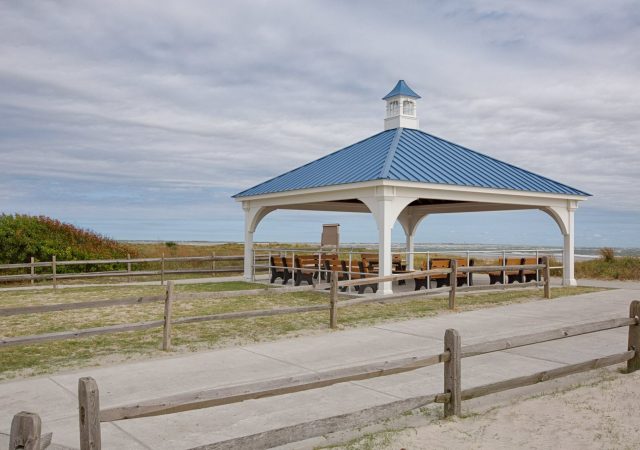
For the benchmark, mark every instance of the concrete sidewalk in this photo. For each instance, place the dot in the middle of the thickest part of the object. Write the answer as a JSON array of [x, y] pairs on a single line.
[[54, 397]]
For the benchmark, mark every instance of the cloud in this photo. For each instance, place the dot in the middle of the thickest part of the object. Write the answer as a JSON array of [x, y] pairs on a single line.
[[110, 103]]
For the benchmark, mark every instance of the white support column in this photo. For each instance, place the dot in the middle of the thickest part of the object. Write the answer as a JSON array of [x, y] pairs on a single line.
[[568, 257], [385, 225], [409, 218], [248, 245], [564, 217], [252, 216], [385, 206], [410, 249]]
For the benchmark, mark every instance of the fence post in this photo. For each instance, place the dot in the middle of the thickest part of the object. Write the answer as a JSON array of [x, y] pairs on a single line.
[[634, 337], [468, 265], [504, 270], [128, 268], [452, 376], [547, 277], [166, 335], [428, 266], [25, 431], [333, 305], [350, 266], [453, 283], [162, 270], [253, 266], [293, 269], [213, 264], [89, 405], [33, 270], [54, 271]]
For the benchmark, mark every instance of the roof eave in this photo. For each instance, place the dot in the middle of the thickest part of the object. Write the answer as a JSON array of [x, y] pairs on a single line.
[[412, 184]]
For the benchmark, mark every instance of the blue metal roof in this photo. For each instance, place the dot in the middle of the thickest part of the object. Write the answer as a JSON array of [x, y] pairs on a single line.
[[405, 154], [401, 88]]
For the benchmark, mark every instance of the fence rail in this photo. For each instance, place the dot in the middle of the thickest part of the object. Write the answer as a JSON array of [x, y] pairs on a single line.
[[353, 252], [55, 276], [453, 281], [91, 415], [452, 395], [171, 297]]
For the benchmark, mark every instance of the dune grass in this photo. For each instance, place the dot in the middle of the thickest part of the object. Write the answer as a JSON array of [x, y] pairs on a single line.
[[618, 268]]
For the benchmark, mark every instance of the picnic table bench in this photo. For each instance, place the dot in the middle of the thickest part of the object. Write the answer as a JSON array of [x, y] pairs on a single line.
[[442, 279], [511, 275]]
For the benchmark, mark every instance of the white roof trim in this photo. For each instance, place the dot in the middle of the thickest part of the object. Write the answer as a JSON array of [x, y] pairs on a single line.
[[412, 185]]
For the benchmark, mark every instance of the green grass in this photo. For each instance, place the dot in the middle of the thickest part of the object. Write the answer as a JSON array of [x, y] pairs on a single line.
[[55, 356]]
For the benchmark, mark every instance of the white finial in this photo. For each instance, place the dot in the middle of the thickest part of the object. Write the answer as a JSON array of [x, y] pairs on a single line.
[[401, 107]]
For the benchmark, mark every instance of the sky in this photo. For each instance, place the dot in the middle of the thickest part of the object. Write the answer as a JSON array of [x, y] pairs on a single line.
[[140, 119]]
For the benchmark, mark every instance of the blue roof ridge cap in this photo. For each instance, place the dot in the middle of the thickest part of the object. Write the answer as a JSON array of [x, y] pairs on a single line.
[[391, 153], [586, 194], [239, 194]]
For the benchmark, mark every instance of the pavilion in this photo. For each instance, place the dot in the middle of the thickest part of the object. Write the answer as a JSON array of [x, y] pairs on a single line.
[[404, 174]]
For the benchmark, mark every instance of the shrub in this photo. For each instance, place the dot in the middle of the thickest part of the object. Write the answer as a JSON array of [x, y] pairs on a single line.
[[170, 244], [607, 254], [23, 236]]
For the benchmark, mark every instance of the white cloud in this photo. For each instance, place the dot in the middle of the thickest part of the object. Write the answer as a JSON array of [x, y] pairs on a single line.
[[220, 96]]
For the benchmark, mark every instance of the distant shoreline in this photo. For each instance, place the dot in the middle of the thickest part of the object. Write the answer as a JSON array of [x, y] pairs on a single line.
[[580, 252]]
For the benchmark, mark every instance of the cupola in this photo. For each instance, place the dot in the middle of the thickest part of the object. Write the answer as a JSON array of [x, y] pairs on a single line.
[[401, 107]]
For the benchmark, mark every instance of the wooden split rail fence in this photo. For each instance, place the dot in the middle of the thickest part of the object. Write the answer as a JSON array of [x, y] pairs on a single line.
[[91, 415], [171, 296], [452, 289], [161, 271], [169, 299]]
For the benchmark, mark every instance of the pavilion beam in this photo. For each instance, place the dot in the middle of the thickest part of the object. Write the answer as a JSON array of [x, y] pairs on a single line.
[[468, 207], [328, 206]]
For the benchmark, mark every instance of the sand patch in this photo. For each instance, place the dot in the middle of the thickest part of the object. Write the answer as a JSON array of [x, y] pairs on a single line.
[[603, 414]]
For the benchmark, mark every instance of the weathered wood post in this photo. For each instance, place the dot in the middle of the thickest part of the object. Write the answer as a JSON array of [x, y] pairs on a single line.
[[547, 277], [333, 305], [453, 282], [89, 412], [25, 431], [452, 378], [33, 270], [168, 301], [213, 263], [54, 271], [129, 268], [505, 278], [634, 337], [162, 270]]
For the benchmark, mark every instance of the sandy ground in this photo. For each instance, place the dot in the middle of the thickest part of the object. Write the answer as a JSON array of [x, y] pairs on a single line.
[[600, 414]]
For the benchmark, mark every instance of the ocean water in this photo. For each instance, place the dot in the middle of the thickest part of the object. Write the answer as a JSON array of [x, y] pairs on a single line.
[[488, 250]]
